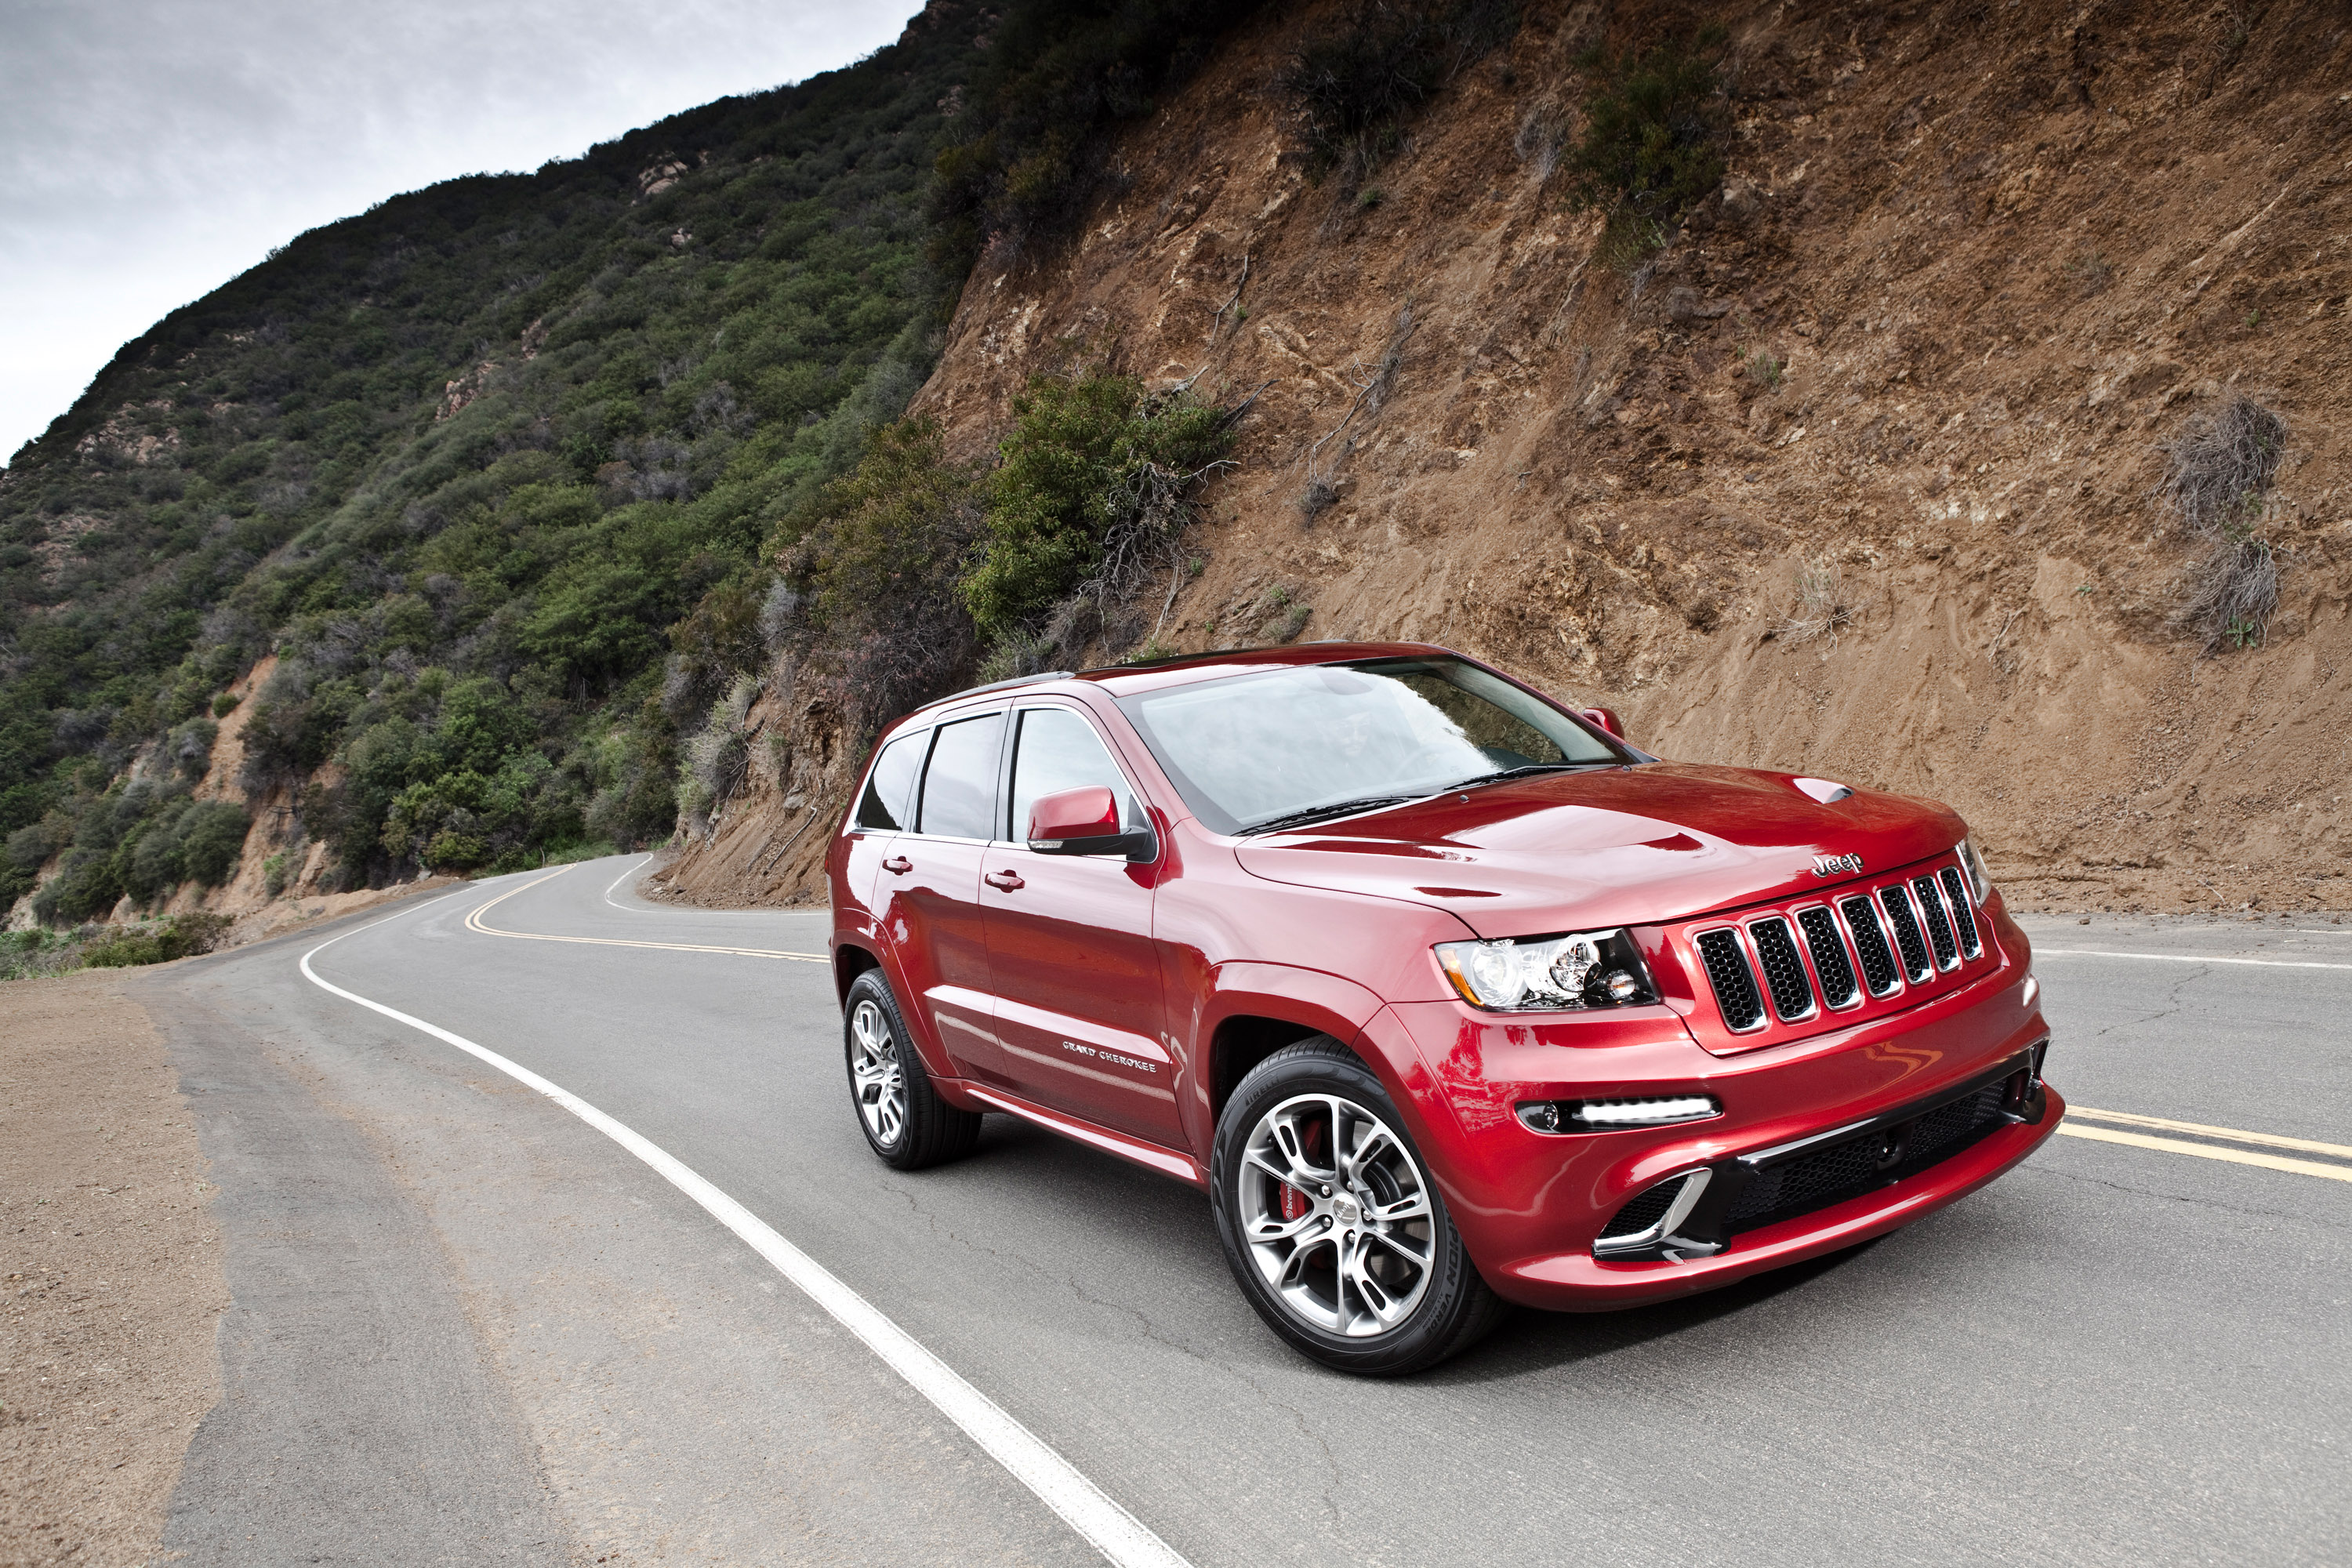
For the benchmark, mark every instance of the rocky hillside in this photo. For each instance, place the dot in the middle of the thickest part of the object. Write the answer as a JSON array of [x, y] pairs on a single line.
[[1859, 474]]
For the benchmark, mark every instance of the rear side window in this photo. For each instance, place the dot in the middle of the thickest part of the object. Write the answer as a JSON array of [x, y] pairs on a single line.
[[1057, 751], [960, 786], [890, 788]]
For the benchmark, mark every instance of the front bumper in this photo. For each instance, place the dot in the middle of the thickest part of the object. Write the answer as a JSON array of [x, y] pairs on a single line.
[[1532, 1207], [1580, 1283]]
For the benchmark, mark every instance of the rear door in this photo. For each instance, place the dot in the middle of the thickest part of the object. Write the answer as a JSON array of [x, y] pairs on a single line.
[[884, 807], [928, 892], [1079, 1014]]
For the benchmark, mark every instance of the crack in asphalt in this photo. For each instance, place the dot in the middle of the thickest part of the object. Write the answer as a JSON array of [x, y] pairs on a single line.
[[1150, 1331], [2174, 1003]]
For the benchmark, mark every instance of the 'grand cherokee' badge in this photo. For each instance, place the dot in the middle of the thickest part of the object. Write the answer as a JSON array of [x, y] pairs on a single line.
[[1837, 865]]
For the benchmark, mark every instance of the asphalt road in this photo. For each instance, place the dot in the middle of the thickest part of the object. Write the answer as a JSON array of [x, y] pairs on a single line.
[[471, 1327]]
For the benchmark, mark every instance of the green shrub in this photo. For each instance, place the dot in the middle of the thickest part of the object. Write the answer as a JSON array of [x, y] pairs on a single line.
[[1094, 486], [1028, 148], [1648, 154], [181, 936], [1354, 87]]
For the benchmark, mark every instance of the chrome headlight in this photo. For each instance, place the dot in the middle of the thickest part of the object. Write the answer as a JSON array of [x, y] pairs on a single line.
[[1586, 968], [1979, 880]]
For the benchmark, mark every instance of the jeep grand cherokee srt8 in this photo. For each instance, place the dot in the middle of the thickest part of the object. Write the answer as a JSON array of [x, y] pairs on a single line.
[[1448, 994]]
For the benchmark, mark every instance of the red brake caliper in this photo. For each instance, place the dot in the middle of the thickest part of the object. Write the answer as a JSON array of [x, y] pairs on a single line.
[[1294, 1204]]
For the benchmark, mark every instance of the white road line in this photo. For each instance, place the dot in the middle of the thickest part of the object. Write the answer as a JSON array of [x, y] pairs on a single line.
[[1117, 1534], [621, 878], [2181, 958]]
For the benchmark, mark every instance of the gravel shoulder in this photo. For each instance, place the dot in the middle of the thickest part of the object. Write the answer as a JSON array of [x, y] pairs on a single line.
[[110, 1275]]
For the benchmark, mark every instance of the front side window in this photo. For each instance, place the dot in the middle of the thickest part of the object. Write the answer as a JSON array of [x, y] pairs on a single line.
[[960, 784], [890, 788], [1058, 750], [1251, 751]]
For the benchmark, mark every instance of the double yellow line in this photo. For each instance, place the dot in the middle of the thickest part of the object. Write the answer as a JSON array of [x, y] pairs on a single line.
[[475, 922], [2248, 1150]]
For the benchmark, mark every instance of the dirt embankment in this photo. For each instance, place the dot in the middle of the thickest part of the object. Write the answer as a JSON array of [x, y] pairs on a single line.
[[110, 1281], [1971, 266]]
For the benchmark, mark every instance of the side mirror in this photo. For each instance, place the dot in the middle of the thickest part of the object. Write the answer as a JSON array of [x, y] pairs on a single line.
[[1606, 719], [1084, 822]]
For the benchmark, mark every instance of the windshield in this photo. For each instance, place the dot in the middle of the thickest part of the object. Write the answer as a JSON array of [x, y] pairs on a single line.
[[1249, 752]]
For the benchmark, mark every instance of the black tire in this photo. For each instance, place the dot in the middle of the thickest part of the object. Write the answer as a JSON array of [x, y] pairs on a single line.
[[925, 1129], [1442, 1307]]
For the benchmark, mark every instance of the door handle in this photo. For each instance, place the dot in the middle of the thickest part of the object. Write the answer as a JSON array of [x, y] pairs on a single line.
[[1006, 880], [898, 865]]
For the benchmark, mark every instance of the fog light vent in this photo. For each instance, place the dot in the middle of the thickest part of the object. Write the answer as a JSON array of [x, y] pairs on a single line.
[[1599, 1115]]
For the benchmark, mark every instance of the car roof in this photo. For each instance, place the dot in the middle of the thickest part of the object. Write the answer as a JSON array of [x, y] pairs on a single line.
[[1178, 669]]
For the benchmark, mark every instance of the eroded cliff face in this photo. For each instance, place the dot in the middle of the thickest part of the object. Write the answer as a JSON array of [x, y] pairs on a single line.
[[1972, 264]]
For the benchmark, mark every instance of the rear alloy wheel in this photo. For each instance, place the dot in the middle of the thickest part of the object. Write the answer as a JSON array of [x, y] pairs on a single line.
[[1330, 1222], [901, 1114]]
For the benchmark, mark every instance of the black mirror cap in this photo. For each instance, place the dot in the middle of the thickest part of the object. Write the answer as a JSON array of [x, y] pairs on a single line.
[[1138, 847]]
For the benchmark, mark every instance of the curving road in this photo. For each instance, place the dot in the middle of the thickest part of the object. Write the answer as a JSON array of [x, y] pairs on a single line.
[[472, 1326]]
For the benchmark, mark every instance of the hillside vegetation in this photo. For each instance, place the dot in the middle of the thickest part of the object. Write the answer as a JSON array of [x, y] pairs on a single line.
[[447, 536], [1938, 395]]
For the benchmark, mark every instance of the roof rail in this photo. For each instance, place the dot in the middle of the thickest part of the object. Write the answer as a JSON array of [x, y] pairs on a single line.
[[1002, 685]]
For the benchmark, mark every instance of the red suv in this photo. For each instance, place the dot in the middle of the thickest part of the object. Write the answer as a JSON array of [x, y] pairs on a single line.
[[1446, 994]]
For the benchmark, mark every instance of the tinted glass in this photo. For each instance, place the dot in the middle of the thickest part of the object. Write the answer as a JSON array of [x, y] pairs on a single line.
[[890, 788], [960, 786], [1251, 749], [1058, 750]]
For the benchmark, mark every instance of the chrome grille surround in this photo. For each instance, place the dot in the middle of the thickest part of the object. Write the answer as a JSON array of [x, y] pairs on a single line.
[[1778, 972]]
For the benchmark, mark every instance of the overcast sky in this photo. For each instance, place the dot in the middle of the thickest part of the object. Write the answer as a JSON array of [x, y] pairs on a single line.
[[151, 150]]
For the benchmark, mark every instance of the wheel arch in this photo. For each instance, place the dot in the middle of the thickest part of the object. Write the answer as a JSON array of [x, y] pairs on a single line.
[[851, 960]]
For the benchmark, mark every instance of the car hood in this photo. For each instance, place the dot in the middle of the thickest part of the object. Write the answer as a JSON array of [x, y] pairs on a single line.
[[1647, 845]]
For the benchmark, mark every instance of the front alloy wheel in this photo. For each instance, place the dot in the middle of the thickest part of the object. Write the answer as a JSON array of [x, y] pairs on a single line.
[[1337, 1216], [1331, 1224]]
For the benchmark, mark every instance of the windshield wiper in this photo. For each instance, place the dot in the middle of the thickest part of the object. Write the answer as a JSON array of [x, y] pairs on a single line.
[[1324, 813], [1522, 771]]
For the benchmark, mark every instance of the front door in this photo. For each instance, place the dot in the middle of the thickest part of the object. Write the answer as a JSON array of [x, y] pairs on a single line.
[[1079, 1014], [929, 893]]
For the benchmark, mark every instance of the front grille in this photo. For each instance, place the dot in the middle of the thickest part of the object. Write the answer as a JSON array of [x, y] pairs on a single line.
[[1829, 957], [1939, 929], [1784, 971], [1644, 1211], [1865, 1161], [1869, 944], [1907, 940], [1956, 894], [1726, 971]]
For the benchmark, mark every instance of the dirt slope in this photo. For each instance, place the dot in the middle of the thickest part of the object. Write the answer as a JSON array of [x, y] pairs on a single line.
[[2001, 252]]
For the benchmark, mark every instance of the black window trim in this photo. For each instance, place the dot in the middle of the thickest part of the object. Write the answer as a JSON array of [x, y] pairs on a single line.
[[1013, 746], [923, 778], [865, 780]]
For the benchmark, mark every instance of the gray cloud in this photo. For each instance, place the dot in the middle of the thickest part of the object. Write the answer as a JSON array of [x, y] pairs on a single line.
[[149, 149]]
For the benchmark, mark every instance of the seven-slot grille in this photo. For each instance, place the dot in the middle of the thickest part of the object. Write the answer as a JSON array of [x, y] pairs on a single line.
[[1934, 927]]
